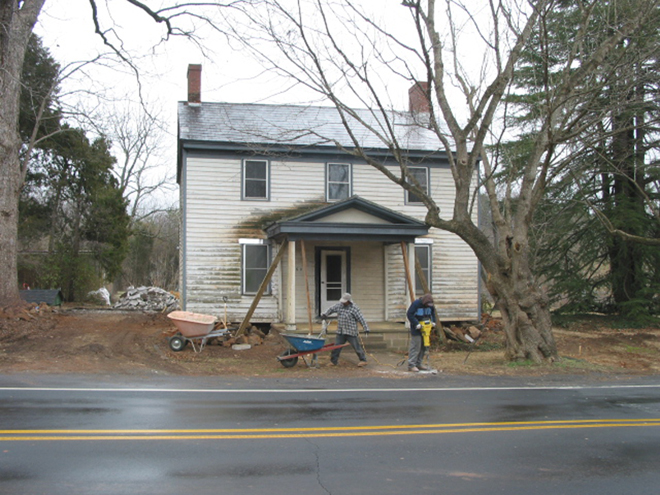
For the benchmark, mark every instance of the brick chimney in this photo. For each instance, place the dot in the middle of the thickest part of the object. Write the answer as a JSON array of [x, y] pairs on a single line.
[[194, 83], [418, 101]]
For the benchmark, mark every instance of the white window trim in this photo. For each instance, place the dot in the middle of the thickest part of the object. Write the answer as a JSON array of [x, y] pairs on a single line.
[[423, 240]]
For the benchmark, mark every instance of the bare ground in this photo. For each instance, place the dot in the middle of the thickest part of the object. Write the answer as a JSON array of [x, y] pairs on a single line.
[[132, 343]]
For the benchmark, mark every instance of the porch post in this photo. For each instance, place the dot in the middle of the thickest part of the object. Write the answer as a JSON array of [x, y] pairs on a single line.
[[291, 289]]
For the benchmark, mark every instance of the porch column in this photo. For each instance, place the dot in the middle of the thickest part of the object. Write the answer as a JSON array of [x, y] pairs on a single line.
[[290, 320]]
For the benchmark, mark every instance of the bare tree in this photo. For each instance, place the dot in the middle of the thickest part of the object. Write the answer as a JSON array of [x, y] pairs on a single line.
[[17, 19], [153, 257], [137, 134], [350, 57]]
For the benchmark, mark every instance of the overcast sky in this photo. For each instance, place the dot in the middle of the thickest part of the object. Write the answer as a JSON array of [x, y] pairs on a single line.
[[228, 75], [67, 30]]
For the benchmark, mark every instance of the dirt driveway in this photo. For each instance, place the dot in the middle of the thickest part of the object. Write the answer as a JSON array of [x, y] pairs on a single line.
[[133, 343]]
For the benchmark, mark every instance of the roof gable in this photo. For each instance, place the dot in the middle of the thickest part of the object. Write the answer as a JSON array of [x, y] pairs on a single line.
[[360, 204], [351, 219]]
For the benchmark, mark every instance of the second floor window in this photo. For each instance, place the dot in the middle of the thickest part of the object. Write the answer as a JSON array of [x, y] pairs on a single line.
[[421, 174], [338, 184], [255, 179]]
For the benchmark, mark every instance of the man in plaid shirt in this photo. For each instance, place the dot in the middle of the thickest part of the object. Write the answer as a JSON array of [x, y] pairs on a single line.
[[348, 316]]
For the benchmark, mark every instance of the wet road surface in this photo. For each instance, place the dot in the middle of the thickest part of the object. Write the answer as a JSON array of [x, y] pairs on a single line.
[[428, 436]]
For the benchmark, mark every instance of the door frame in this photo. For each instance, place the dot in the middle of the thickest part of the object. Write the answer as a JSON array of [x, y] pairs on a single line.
[[318, 252]]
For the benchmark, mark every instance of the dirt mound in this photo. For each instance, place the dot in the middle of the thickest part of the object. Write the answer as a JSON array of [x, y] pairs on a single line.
[[108, 341]]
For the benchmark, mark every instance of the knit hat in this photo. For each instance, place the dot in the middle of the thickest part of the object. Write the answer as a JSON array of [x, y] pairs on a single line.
[[427, 300]]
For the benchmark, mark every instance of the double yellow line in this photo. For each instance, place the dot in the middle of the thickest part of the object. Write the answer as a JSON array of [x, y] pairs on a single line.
[[336, 431]]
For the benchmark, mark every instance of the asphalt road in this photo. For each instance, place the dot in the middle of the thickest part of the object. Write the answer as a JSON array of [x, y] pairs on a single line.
[[427, 435]]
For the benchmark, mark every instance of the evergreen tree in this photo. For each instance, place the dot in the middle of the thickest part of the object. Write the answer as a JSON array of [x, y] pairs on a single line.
[[88, 219], [608, 170], [39, 109], [71, 202]]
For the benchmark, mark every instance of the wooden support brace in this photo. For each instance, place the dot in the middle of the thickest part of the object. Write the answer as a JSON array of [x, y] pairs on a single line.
[[309, 299], [262, 289], [422, 278], [411, 287]]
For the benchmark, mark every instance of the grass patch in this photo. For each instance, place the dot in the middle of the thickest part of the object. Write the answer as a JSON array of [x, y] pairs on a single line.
[[620, 322], [528, 363], [595, 320], [564, 363], [639, 350], [483, 346], [571, 363]]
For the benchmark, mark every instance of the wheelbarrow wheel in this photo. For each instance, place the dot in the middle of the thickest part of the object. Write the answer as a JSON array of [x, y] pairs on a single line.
[[291, 362], [177, 343]]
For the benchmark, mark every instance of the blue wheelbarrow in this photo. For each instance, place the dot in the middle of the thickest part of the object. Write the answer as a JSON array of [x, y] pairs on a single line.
[[302, 346]]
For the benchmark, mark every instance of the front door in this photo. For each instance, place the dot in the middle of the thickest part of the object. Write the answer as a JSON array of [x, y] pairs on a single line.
[[333, 277]]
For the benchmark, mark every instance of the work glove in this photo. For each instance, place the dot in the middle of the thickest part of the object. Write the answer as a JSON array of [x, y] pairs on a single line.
[[433, 324], [418, 327]]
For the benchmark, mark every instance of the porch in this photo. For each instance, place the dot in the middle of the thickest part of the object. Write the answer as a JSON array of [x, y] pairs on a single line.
[[350, 246]]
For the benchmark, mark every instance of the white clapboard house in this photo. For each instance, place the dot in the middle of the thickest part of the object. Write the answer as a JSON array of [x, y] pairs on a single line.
[[257, 181]]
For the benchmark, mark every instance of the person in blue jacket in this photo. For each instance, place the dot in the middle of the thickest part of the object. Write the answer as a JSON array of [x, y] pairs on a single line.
[[420, 309]]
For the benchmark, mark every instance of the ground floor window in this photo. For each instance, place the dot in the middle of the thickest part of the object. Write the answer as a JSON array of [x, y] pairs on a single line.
[[423, 257], [256, 261]]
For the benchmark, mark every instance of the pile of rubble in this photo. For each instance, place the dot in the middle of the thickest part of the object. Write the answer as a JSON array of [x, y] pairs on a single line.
[[147, 299], [26, 311], [251, 338], [463, 333]]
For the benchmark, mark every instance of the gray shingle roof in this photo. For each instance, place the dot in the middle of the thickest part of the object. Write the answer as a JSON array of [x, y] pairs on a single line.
[[293, 125]]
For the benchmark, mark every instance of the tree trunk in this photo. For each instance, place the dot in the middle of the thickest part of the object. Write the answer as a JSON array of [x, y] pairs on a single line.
[[526, 317], [16, 22], [626, 258], [523, 304]]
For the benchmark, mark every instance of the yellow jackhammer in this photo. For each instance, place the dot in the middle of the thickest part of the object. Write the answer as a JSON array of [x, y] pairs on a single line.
[[427, 326], [426, 329]]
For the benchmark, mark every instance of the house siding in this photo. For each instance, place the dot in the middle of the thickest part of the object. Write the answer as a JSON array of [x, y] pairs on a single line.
[[215, 219]]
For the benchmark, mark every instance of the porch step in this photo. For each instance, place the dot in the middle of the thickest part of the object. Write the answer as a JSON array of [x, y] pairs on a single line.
[[374, 342]]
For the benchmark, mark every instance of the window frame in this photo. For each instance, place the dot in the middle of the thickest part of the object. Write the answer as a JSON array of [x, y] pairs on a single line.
[[429, 269], [245, 179], [244, 269], [328, 182], [410, 196]]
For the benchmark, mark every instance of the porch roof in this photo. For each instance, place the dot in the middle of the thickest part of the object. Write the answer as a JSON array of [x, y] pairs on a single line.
[[353, 219]]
